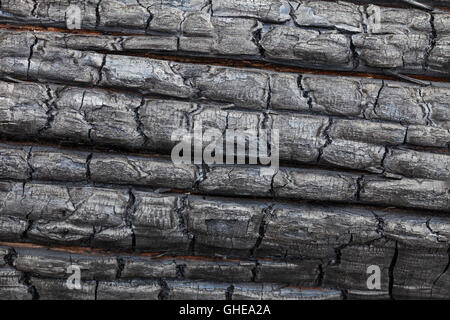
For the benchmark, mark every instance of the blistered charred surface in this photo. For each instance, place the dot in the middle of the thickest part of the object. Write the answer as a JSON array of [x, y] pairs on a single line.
[[51, 164], [89, 119], [318, 34]]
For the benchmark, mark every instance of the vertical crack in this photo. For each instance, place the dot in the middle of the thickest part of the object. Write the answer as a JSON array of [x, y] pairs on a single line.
[[359, 187], [320, 276], [267, 214], [380, 224], [88, 167], [26, 280], [269, 93], [305, 93], [35, 5], [255, 271], [338, 252], [28, 159], [139, 124], [30, 56], [120, 267], [180, 269], [129, 212], [432, 42], [165, 290], [181, 212], [150, 15], [427, 109], [96, 290], [375, 104], [97, 14], [51, 112], [355, 55], [100, 70], [391, 270], [328, 140], [10, 257], [256, 39], [229, 293], [386, 153]]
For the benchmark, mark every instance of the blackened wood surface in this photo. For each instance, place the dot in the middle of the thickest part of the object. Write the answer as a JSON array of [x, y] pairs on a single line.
[[86, 177]]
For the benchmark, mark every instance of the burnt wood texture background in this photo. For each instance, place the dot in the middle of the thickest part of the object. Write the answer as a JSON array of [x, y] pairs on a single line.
[[86, 178]]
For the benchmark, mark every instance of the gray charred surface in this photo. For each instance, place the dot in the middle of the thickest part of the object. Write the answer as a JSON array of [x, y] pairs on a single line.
[[86, 124]]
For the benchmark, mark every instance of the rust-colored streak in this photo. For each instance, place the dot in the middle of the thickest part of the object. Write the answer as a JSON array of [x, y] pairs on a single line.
[[101, 252]]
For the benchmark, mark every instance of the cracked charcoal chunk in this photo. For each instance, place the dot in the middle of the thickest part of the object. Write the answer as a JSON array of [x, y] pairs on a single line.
[[286, 94], [438, 115], [353, 263], [428, 283], [12, 228], [229, 28], [235, 232], [285, 182], [440, 55], [404, 51], [340, 15], [249, 88], [54, 264], [417, 193], [306, 231], [68, 215], [229, 180], [231, 36], [102, 117], [358, 155], [66, 65], [23, 109], [314, 185], [141, 171], [307, 46], [312, 231], [428, 136], [11, 286], [159, 223], [60, 166], [369, 132], [353, 98], [13, 162], [419, 164], [145, 75], [349, 97], [382, 20], [300, 136], [442, 22], [404, 104]]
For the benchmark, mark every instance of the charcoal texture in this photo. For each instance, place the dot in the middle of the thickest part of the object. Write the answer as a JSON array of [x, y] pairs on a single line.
[[351, 97]]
